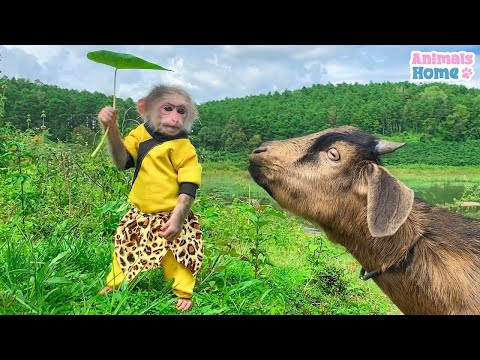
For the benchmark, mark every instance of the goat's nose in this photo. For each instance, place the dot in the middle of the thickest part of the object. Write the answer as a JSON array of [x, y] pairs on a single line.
[[260, 149]]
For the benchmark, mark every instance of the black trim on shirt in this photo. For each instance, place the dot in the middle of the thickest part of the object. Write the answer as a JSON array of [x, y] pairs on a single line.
[[130, 162], [188, 188], [157, 139], [164, 137]]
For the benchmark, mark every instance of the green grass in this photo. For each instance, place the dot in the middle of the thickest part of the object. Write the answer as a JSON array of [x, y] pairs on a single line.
[[61, 210], [425, 175]]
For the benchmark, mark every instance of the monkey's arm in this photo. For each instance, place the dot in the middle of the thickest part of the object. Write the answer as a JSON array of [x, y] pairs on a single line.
[[117, 148], [182, 208], [173, 227]]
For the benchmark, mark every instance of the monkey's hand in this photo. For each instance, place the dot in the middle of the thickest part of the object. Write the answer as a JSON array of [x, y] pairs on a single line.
[[108, 117], [172, 228]]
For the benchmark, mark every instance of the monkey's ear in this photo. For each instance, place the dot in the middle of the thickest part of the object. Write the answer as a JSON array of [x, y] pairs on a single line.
[[142, 107], [389, 201]]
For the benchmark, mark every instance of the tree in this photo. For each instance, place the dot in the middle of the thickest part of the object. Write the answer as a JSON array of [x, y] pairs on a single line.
[[210, 137], [83, 135], [455, 128], [254, 142], [234, 139], [332, 116]]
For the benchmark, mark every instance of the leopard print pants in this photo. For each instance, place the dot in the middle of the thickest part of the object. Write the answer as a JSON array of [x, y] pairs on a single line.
[[138, 247]]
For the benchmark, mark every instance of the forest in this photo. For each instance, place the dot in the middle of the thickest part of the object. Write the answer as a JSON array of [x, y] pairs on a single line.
[[438, 111]]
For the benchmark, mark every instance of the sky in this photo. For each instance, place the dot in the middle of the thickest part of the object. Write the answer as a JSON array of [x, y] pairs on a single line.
[[215, 72]]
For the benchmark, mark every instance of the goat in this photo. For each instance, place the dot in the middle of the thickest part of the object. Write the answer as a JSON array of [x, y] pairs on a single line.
[[426, 259]]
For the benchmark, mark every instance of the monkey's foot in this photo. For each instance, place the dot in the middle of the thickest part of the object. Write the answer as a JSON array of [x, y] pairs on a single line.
[[105, 290], [184, 304]]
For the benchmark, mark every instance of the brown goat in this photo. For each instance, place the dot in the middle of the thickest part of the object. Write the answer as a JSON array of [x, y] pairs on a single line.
[[424, 258]]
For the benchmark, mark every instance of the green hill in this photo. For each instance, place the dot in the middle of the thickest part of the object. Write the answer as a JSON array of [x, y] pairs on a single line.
[[440, 122]]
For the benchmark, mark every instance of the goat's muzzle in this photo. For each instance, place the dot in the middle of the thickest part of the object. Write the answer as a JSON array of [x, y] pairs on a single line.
[[258, 156], [256, 168], [260, 149]]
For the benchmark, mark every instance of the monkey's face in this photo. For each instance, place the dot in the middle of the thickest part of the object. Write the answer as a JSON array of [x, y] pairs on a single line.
[[168, 114]]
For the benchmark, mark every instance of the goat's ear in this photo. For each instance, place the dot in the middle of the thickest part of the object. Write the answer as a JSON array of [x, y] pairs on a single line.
[[389, 202]]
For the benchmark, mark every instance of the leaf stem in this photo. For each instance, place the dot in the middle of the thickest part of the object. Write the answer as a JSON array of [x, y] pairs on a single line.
[[106, 131]]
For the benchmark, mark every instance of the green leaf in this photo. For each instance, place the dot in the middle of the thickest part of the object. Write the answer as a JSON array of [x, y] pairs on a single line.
[[122, 61], [265, 294], [57, 280], [248, 208], [261, 223], [21, 299], [276, 213], [95, 152], [234, 253], [58, 258], [207, 252], [8, 153]]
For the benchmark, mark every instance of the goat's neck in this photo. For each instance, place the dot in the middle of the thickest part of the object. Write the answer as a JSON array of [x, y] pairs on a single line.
[[373, 253]]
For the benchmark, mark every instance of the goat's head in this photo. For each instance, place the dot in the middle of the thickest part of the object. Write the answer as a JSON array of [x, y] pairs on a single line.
[[327, 175]]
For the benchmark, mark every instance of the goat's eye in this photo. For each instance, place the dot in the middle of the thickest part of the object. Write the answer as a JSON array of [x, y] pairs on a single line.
[[333, 154]]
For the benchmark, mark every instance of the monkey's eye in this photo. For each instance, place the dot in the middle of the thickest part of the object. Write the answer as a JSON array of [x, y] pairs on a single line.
[[167, 108], [181, 111], [333, 154]]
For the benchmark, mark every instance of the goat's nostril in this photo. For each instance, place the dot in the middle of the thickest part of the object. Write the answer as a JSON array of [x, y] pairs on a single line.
[[260, 150]]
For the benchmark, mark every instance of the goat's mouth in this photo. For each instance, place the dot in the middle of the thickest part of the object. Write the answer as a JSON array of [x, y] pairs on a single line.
[[257, 172]]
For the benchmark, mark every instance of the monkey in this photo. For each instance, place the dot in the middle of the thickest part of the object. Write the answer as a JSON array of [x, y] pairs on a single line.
[[160, 228]]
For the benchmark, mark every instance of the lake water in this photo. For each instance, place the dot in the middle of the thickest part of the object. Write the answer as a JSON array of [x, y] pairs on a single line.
[[442, 194], [448, 195]]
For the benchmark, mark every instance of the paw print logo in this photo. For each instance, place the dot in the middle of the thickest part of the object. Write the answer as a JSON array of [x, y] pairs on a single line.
[[467, 73]]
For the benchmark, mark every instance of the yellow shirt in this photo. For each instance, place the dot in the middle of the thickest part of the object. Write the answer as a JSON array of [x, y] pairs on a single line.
[[164, 167]]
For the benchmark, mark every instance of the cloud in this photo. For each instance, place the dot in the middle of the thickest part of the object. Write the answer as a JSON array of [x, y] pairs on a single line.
[[41, 53], [214, 72]]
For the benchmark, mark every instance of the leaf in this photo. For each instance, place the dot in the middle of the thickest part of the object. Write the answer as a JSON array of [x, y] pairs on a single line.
[[313, 247], [234, 253], [102, 140], [261, 223], [248, 208], [242, 286], [276, 213], [245, 258], [21, 299], [122, 60], [57, 280], [8, 153], [58, 258], [265, 294]]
